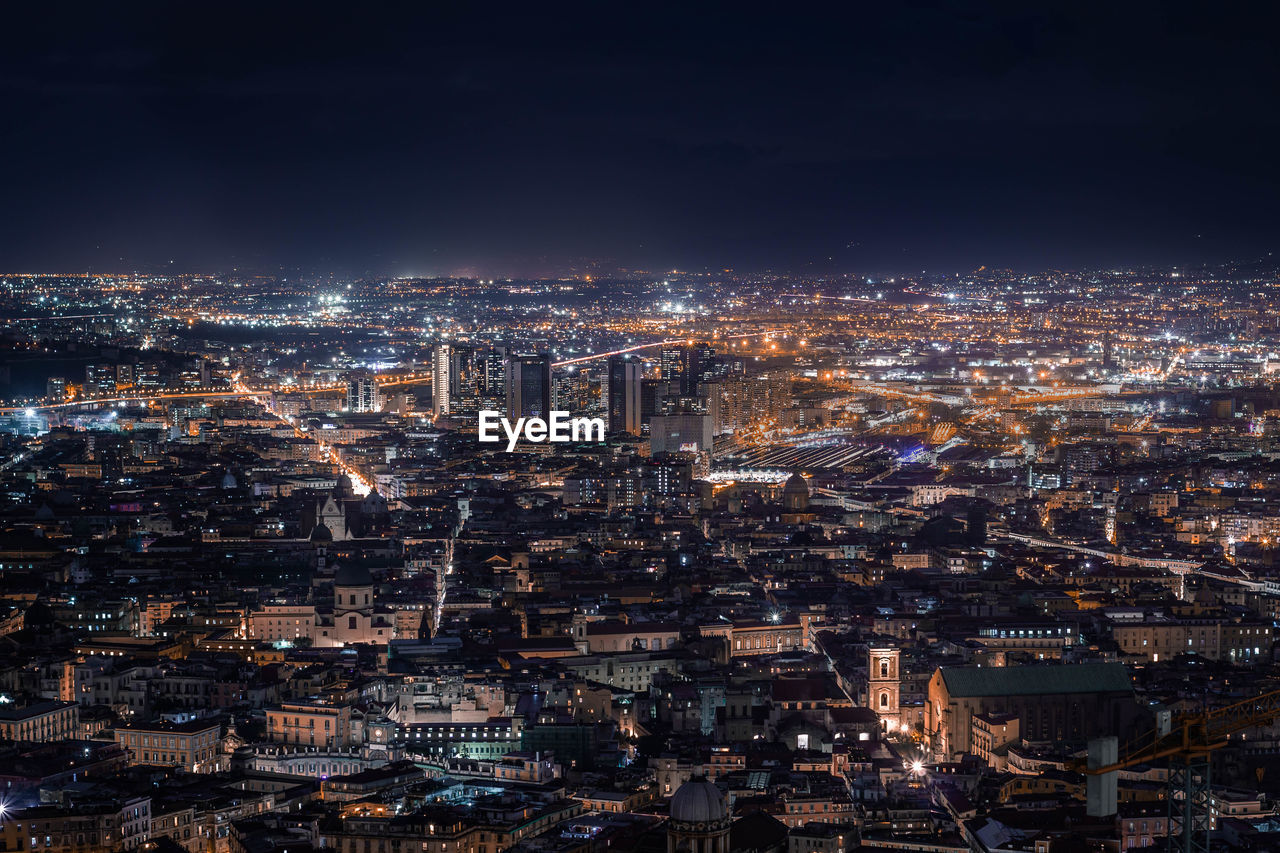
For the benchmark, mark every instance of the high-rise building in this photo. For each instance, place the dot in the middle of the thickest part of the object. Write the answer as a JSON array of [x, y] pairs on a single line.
[[466, 369], [493, 380], [363, 395], [624, 396], [703, 367], [778, 389], [688, 365], [99, 379], [477, 380], [653, 395], [55, 390], [528, 386], [467, 381], [442, 370], [673, 364], [573, 390]]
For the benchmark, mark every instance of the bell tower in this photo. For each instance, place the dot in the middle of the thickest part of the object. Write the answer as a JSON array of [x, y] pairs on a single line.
[[884, 685]]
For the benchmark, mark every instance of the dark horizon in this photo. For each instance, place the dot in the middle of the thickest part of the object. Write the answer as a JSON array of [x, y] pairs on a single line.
[[448, 142]]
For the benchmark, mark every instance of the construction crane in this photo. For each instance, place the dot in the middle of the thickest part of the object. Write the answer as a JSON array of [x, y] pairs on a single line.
[[1188, 742]]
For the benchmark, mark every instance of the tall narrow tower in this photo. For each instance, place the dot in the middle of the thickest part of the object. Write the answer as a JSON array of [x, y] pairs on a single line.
[[441, 384], [624, 396], [884, 686], [529, 386]]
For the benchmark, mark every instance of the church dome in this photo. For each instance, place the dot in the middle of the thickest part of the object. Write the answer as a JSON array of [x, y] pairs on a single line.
[[344, 489], [795, 494], [353, 576], [700, 803], [796, 485], [321, 533]]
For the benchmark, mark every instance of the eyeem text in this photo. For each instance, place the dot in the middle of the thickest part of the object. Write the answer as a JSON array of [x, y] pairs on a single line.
[[561, 428]]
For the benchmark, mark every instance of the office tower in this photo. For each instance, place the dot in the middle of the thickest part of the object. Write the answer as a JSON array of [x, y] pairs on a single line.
[[466, 369], [673, 364], [624, 396], [467, 381], [363, 395], [572, 390], [712, 395], [442, 370], [494, 378], [528, 386], [477, 380], [653, 395], [688, 365], [648, 402], [55, 389], [703, 367], [99, 379]]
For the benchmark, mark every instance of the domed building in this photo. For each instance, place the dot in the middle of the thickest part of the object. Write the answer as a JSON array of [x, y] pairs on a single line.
[[352, 591], [356, 618], [346, 514], [700, 820], [795, 494]]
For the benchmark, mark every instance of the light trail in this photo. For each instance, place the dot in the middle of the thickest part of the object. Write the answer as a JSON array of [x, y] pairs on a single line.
[[848, 298], [56, 317], [638, 347], [1173, 365], [359, 484], [174, 395], [107, 401]]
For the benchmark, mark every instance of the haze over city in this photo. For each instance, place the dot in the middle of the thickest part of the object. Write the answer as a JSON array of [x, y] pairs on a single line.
[[444, 140]]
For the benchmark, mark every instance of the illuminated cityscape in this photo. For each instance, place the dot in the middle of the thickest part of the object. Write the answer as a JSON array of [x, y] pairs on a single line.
[[731, 531]]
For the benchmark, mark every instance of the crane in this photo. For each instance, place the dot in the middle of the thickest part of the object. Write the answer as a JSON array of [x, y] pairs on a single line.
[[1187, 742]]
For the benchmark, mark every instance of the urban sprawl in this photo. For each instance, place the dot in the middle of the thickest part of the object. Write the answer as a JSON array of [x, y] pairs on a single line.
[[933, 563]]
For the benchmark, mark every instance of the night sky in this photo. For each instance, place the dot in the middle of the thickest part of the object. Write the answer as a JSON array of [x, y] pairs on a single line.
[[533, 140]]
